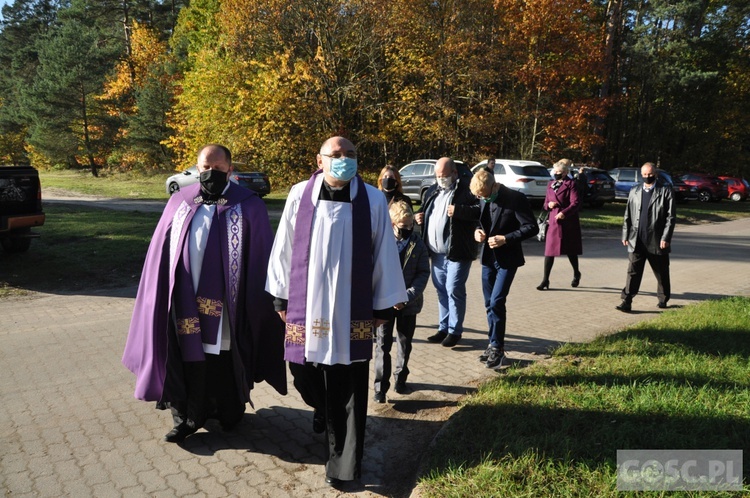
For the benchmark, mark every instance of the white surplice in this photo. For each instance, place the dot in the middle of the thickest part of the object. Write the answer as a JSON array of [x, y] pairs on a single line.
[[329, 285]]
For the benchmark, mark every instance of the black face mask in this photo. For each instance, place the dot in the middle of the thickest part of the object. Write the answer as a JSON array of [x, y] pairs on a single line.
[[213, 182], [389, 183], [404, 233], [558, 176], [649, 179]]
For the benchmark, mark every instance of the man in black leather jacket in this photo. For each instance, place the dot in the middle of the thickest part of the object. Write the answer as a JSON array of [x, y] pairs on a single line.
[[448, 217], [647, 231]]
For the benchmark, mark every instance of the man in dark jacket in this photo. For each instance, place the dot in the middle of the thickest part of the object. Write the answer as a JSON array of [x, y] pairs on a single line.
[[448, 218], [647, 233], [505, 221]]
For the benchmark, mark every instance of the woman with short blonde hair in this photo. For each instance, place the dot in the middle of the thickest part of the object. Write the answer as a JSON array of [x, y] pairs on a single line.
[[564, 232]]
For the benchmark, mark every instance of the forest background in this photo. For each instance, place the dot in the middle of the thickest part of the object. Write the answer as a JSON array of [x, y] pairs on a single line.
[[140, 85]]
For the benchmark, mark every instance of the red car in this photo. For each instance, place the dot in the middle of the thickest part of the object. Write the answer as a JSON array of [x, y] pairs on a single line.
[[710, 187], [738, 187]]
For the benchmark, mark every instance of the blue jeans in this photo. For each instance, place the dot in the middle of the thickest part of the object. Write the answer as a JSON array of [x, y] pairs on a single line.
[[449, 279], [496, 283]]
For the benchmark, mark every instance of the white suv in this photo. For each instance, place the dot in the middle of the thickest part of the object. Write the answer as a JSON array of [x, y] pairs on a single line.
[[528, 177]]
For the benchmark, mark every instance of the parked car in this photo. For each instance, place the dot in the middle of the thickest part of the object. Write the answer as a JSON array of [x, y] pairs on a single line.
[[626, 178], [738, 188], [528, 177], [710, 188], [419, 175], [253, 180], [600, 187], [683, 191], [20, 207]]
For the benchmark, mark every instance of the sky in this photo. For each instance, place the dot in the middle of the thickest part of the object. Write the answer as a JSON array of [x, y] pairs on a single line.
[[4, 2]]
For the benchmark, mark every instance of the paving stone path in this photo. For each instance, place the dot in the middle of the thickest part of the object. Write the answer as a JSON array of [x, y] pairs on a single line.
[[72, 428]]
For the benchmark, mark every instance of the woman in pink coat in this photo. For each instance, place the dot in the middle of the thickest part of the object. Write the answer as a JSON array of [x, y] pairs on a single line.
[[564, 232]]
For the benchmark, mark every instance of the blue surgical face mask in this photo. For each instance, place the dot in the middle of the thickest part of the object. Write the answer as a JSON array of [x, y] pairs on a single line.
[[343, 168]]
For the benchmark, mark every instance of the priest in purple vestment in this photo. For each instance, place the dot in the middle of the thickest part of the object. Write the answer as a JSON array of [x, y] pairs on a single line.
[[336, 274], [204, 330]]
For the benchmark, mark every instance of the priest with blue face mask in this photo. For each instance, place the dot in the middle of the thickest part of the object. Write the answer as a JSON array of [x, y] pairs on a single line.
[[331, 271]]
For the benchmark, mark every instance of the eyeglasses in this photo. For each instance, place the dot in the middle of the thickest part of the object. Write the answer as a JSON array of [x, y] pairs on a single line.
[[337, 155]]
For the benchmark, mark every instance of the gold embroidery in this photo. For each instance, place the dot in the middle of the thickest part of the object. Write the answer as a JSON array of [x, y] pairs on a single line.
[[209, 307], [361, 330], [295, 334], [188, 326], [321, 327]]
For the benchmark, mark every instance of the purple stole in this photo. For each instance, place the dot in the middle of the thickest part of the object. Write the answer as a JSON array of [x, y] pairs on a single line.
[[199, 313], [361, 328]]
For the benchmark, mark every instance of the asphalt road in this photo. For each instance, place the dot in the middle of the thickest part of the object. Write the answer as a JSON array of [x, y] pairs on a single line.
[[73, 428]]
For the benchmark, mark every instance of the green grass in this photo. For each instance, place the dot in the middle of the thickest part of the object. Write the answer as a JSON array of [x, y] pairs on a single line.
[[119, 185], [80, 248], [108, 184], [610, 215], [680, 381]]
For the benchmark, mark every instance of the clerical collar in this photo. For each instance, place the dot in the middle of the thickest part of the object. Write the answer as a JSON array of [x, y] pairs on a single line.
[[338, 194]]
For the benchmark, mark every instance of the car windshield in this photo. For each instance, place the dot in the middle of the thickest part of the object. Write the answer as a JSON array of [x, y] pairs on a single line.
[[530, 171]]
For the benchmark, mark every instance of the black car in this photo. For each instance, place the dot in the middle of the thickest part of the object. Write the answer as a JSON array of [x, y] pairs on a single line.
[[253, 180], [598, 187], [418, 176]]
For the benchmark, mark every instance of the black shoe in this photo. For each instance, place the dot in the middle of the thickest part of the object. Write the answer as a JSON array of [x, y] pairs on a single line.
[[495, 359], [662, 304], [179, 433], [438, 337], [543, 285], [319, 423], [334, 483], [483, 357], [451, 340], [576, 279], [623, 306], [379, 397], [401, 388]]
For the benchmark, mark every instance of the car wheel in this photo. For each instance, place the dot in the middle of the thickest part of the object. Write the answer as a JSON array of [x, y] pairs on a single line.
[[704, 196], [735, 196], [173, 187], [14, 245], [422, 196]]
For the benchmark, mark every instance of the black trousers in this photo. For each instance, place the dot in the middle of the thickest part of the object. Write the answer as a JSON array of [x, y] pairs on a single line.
[[340, 393], [211, 393], [659, 265], [405, 326]]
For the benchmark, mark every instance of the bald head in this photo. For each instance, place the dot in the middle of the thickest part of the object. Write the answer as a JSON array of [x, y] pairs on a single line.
[[214, 156], [444, 167], [336, 144], [648, 169]]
